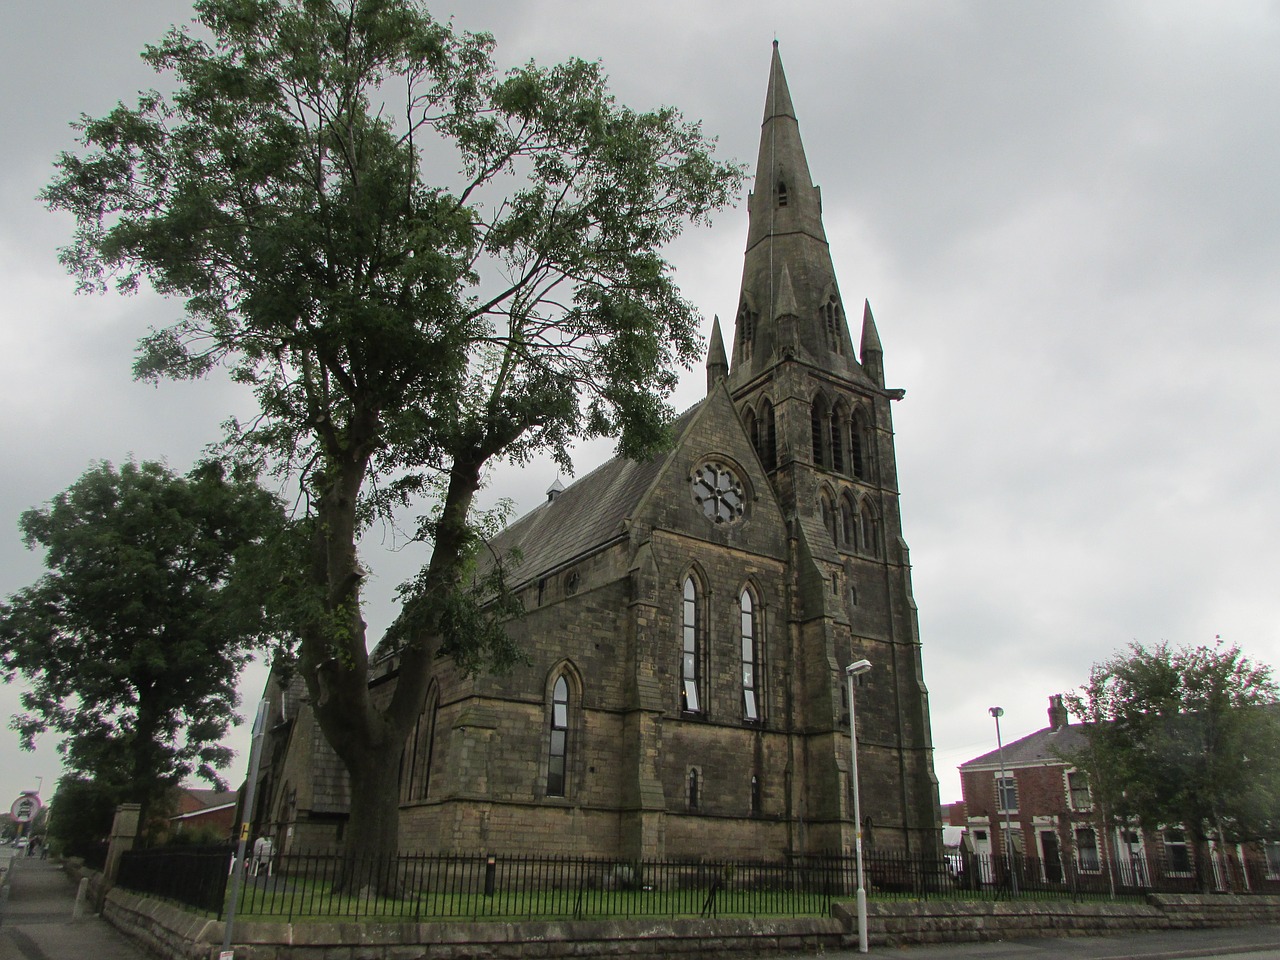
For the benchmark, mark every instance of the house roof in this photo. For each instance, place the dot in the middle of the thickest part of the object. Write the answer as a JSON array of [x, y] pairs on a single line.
[[1047, 745]]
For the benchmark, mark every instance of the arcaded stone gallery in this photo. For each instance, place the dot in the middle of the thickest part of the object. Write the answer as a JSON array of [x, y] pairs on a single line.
[[689, 619]]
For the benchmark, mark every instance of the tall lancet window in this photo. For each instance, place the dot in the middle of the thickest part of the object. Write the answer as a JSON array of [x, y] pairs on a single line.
[[782, 193], [558, 751], [831, 323], [768, 443], [857, 452], [690, 701], [750, 658], [746, 332]]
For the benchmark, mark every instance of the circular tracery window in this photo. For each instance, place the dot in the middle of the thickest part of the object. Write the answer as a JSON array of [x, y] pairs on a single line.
[[718, 491]]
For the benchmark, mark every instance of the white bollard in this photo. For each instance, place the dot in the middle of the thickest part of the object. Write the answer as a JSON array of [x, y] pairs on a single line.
[[82, 897]]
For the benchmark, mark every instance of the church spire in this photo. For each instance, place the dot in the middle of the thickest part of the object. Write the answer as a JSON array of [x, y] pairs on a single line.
[[787, 246]]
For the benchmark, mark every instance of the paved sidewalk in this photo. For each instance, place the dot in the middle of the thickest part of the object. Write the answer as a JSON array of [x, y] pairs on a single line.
[[36, 921], [1243, 943]]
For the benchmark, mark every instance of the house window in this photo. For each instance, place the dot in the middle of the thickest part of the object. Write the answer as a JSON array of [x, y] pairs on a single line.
[[693, 788], [1177, 854], [1271, 849], [1006, 794], [1078, 790], [690, 701], [559, 739], [1087, 850], [750, 706]]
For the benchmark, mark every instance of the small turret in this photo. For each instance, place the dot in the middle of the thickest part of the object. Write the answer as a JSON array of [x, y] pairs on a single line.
[[872, 354], [717, 359]]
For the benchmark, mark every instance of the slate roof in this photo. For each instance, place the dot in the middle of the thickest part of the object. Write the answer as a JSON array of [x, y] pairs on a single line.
[[1043, 746], [587, 514]]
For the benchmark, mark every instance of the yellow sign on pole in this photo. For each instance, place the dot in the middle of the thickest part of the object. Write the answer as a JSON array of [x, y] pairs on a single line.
[[244, 830]]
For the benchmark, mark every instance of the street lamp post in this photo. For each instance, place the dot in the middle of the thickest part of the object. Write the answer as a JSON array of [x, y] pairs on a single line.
[[851, 671], [997, 713]]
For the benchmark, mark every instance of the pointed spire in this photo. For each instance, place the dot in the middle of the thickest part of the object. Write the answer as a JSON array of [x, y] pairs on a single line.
[[787, 269], [717, 360], [872, 354]]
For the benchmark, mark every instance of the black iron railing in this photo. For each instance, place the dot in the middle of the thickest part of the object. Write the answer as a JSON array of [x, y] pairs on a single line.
[[414, 887]]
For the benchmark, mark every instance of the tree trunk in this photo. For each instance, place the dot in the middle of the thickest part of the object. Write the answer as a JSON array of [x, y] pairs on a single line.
[[371, 848]]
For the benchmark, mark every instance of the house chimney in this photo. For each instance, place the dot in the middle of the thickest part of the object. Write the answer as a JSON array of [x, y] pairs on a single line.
[[1057, 712]]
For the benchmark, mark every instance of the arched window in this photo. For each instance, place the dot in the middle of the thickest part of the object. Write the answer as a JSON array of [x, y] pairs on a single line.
[[415, 779], [869, 534], [750, 658], [693, 788], [820, 424], [828, 511], [746, 331], [768, 443], [848, 535], [837, 428], [755, 795], [782, 193], [859, 438], [830, 312], [752, 423], [691, 657], [558, 750]]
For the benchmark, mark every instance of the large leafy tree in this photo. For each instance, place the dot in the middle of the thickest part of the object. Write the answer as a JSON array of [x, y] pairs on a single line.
[[134, 638], [421, 265], [1186, 736]]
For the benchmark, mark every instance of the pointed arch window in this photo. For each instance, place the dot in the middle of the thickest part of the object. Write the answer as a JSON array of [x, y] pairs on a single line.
[[848, 532], [831, 323], [859, 447], [691, 655], [828, 511], [558, 747], [750, 658], [820, 428], [782, 193], [752, 421], [838, 426], [768, 445], [416, 767], [868, 530], [755, 795], [746, 331], [693, 788]]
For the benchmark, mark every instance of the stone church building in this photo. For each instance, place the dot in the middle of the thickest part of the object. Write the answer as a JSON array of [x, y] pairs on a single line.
[[688, 620]]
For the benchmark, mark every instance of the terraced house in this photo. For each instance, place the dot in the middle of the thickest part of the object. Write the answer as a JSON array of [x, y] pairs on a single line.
[[689, 619]]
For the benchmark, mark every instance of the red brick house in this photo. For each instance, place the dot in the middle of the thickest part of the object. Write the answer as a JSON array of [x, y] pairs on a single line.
[[1044, 807]]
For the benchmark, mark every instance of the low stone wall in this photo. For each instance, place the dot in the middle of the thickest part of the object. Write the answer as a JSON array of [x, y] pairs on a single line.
[[175, 934]]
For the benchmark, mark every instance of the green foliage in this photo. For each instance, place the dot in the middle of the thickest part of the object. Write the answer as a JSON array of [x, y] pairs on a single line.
[[134, 638], [420, 264], [81, 814], [1187, 736]]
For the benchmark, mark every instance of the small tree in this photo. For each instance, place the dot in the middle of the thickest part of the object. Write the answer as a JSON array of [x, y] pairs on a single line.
[[1187, 737], [134, 639], [415, 284]]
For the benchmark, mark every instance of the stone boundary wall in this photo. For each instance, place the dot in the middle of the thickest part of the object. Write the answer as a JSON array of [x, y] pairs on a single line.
[[175, 934]]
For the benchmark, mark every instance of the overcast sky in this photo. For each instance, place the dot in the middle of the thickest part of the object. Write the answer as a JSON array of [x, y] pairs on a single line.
[[1066, 218]]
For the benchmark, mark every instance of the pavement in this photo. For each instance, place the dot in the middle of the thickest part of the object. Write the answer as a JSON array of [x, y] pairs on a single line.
[[37, 902], [1241, 943]]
